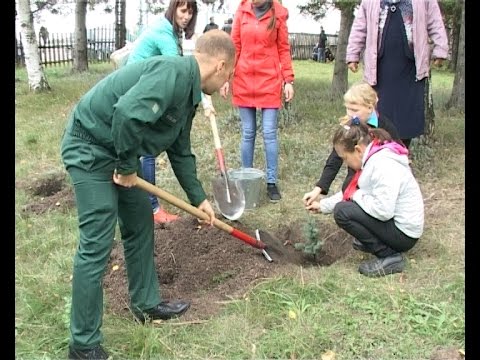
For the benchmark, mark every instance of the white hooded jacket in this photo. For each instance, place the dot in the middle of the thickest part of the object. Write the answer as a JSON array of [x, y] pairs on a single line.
[[388, 189]]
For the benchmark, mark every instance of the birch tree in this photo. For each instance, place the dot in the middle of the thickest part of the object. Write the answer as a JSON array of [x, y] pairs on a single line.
[[37, 80]]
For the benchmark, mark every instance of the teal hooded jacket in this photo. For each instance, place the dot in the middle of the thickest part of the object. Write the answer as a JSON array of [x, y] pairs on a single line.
[[158, 39]]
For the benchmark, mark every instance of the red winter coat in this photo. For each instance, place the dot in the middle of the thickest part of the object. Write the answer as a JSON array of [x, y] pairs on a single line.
[[263, 62]]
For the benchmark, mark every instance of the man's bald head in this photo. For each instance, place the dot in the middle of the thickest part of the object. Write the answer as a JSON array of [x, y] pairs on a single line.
[[216, 43]]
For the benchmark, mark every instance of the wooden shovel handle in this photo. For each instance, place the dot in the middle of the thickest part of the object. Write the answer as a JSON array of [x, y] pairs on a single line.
[[192, 210], [216, 137], [218, 146]]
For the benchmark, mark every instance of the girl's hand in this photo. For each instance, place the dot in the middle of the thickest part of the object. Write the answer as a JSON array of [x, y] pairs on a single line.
[[288, 90], [314, 207], [311, 196], [224, 90]]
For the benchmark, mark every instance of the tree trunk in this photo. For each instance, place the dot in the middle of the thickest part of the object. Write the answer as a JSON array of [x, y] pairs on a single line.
[[80, 57], [340, 70], [429, 112], [36, 77], [455, 35], [457, 99], [120, 27]]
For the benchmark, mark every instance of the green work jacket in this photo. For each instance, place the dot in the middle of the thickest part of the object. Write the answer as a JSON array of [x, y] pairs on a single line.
[[146, 108]]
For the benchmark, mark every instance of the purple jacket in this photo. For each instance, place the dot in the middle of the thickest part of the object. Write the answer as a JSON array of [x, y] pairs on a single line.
[[427, 23]]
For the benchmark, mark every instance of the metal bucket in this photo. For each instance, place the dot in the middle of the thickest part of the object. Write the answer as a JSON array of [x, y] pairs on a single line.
[[251, 181]]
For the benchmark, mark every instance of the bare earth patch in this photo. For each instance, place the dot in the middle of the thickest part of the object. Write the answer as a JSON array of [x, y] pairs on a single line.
[[50, 192], [209, 267]]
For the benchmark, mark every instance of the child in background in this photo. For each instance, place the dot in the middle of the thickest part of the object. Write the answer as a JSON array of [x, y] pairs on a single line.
[[382, 207], [360, 101]]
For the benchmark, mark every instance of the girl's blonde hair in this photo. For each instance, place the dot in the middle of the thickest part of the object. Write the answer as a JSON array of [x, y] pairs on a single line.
[[360, 94]]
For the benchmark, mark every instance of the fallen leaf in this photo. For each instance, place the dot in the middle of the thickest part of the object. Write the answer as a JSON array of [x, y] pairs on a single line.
[[328, 355], [462, 352], [115, 267], [57, 203], [292, 314]]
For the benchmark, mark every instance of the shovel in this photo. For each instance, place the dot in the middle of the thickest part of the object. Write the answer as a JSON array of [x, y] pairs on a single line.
[[164, 195], [229, 196]]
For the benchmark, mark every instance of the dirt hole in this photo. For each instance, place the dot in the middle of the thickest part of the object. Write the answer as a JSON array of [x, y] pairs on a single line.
[[50, 192]]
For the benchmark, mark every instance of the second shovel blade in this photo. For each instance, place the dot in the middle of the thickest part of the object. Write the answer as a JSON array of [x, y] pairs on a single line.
[[234, 208]]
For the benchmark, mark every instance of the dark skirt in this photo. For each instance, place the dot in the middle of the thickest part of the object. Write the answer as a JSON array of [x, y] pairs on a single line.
[[401, 96]]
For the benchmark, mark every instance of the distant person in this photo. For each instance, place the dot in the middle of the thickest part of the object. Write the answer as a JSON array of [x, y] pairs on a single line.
[[393, 37], [382, 208], [322, 44], [211, 25], [145, 107], [228, 26], [263, 73], [44, 34]]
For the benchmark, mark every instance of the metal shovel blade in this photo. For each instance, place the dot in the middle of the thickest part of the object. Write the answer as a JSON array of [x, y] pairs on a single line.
[[231, 207]]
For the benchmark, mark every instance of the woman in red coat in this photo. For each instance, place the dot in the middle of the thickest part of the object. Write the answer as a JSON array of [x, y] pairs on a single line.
[[263, 68]]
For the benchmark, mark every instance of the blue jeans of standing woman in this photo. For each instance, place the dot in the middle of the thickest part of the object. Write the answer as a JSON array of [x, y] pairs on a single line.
[[148, 169], [249, 130]]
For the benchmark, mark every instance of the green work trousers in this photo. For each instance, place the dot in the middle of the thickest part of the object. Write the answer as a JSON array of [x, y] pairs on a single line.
[[100, 202]]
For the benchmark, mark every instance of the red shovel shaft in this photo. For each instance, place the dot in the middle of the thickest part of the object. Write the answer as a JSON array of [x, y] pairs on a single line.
[[162, 194]]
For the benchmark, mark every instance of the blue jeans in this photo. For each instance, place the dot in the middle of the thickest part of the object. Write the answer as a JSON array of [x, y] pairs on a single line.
[[249, 132], [321, 54], [148, 169]]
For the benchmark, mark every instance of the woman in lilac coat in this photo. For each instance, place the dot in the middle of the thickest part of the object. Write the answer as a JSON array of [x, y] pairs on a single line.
[[395, 36]]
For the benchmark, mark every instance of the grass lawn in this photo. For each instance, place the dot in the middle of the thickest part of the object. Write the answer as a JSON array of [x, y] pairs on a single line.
[[313, 313]]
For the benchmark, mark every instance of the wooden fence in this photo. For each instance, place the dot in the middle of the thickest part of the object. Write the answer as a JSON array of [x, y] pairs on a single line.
[[57, 49], [301, 45]]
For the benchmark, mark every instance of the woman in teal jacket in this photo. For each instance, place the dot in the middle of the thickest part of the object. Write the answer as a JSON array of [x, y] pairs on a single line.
[[163, 37]]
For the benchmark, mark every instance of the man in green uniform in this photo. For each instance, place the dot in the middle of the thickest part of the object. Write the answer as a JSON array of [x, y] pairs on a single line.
[[142, 108]]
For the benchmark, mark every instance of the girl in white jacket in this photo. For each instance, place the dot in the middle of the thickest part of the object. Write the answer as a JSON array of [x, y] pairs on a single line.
[[382, 208]]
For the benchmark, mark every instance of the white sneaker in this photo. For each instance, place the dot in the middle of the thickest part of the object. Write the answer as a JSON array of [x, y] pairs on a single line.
[[327, 204]]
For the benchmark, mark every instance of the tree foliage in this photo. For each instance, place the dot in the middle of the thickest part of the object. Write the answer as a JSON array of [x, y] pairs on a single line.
[[316, 8]]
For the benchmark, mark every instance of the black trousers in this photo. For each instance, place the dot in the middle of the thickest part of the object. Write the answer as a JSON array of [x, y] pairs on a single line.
[[381, 238]]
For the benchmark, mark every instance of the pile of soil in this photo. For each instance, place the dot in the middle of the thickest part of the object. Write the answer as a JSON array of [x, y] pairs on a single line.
[[210, 267]]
